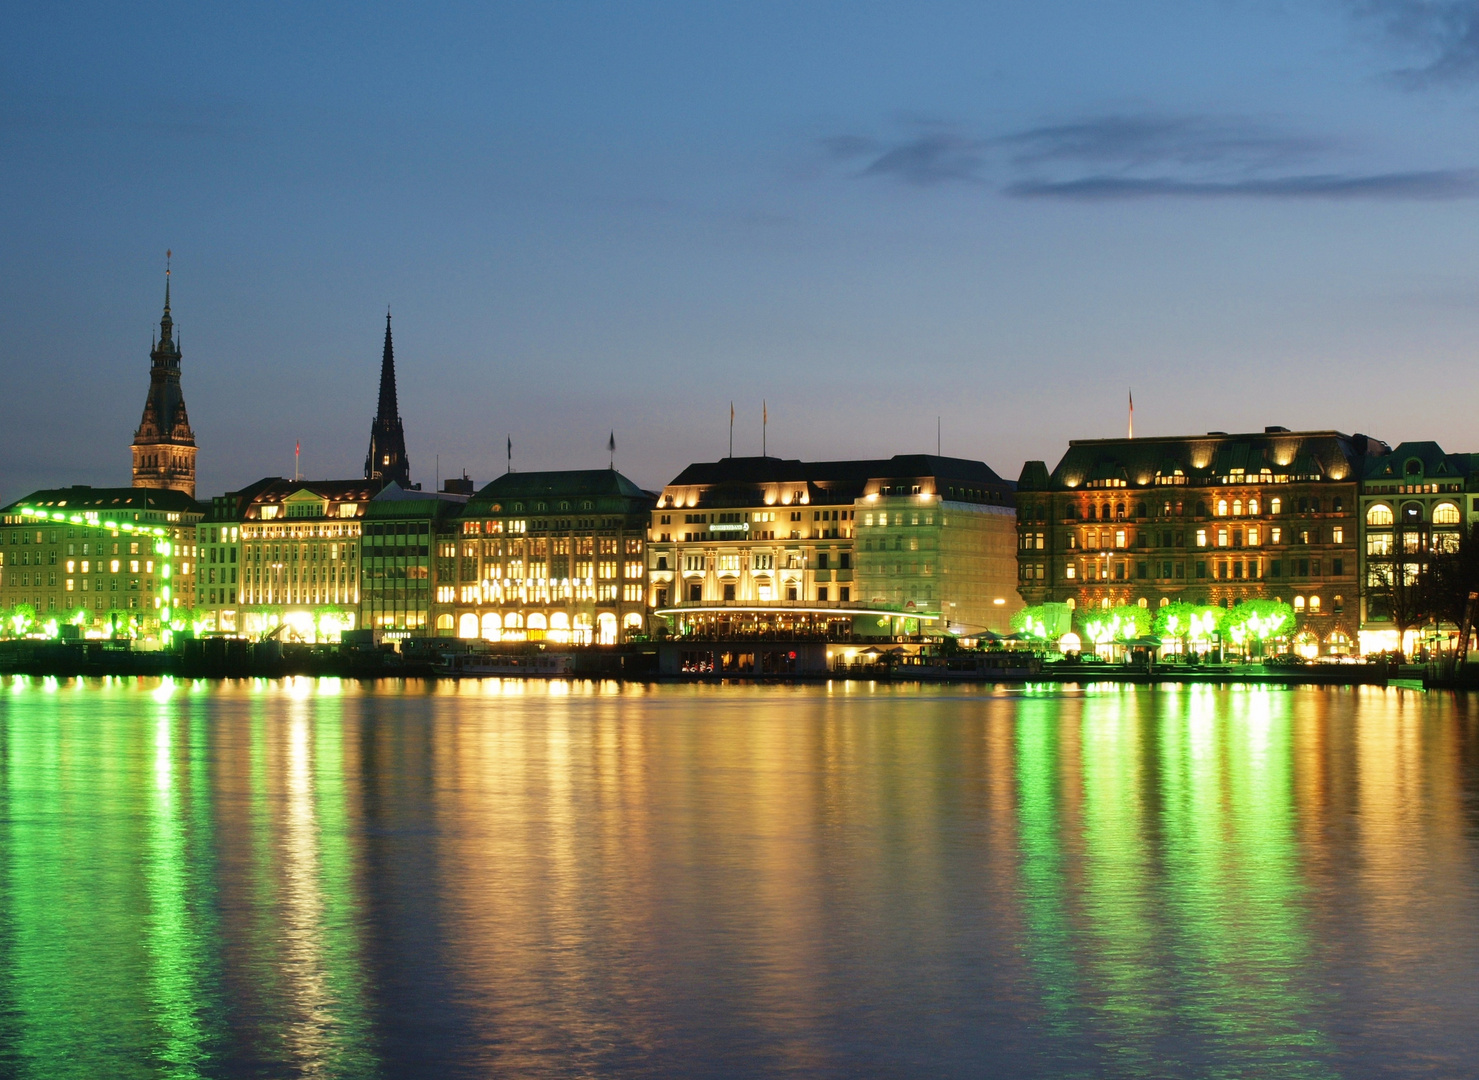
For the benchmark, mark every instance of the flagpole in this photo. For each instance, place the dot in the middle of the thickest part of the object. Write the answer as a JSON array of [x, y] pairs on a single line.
[[1132, 414], [297, 448], [764, 423], [731, 429]]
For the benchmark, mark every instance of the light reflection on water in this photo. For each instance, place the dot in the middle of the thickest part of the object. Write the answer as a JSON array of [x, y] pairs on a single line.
[[319, 878]]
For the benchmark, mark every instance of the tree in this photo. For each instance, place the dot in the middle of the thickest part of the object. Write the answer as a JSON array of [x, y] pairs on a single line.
[[1186, 623], [1252, 622], [1045, 622], [1400, 586], [19, 620], [1452, 577]]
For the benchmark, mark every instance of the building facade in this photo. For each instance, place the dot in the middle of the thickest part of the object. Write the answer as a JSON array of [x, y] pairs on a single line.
[[99, 557], [770, 545], [1211, 519], [300, 551], [403, 532], [557, 556], [1415, 502], [164, 444]]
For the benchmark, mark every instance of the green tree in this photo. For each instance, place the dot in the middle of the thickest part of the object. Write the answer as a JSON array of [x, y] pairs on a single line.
[[1252, 623]]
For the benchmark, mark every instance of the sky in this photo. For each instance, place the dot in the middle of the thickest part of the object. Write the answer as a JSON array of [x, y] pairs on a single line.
[[993, 221]]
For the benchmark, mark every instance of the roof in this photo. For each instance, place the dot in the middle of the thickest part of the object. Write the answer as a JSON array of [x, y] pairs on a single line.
[[1207, 459], [112, 500], [565, 484], [773, 470], [1419, 460], [357, 490]]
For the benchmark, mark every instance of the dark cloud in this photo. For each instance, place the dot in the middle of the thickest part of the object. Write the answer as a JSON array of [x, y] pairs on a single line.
[[1444, 32], [1137, 141], [1140, 156], [1438, 184]]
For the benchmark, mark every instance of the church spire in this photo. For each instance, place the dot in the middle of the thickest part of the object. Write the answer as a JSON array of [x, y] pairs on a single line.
[[387, 460], [388, 408]]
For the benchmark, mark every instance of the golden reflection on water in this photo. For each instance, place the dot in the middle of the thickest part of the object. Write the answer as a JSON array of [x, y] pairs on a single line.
[[322, 878]]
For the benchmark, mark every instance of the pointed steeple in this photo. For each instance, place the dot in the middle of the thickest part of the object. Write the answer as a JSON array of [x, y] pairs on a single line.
[[164, 444], [388, 410], [387, 460]]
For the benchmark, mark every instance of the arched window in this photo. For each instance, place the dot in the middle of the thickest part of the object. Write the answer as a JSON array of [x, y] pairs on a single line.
[[1237, 508], [444, 622], [1253, 506], [1299, 603], [467, 625], [1378, 514], [513, 620], [1145, 603], [1445, 514], [1222, 508], [1276, 505], [1314, 603], [1165, 600], [1072, 603], [492, 630]]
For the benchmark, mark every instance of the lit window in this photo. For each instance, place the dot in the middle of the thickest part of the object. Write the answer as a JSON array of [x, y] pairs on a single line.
[[1379, 514], [1252, 506], [1070, 571], [1299, 603], [1275, 505], [1314, 603], [1253, 540], [1337, 535], [1222, 508], [1201, 538], [1237, 508], [1445, 514]]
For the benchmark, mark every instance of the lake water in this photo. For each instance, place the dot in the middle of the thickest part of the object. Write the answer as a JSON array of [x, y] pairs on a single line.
[[322, 878]]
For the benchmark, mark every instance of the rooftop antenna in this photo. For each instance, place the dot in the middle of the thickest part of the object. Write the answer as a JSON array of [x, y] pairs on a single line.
[[297, 449], [764, 423], [1132, 414], [510, 467], [731, 429], [611, 448]]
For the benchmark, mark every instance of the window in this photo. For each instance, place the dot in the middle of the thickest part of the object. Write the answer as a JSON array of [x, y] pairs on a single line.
[[1222, 538], [1201, 538], [1314, 604], [1338, 605], [1337, 535], [1445, 514], [1299, 603], [1253, 536], [1337, 567], [1276, 505], [821, 594], [1222, 508], [844, 594], [695, 593], [1253, 506], [1379, 514], [1070, 571]]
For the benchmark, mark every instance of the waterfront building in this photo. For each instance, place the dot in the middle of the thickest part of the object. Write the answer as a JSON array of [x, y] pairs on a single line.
[[99, 557], [403, 530], [558, 556], [1415, 502], [164, 444], [770, 545], [300, 549], [219, 578], [387, 462], [1211, 519]]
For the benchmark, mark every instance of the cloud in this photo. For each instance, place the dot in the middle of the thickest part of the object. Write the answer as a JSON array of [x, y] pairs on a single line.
[[1444, 32], [1437, 184], [1139, 156]]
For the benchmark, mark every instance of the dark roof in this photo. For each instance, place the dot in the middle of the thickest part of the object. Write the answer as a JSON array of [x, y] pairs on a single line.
[[591, 484], [1430, 460], [114, 500], [773, 470], [231, 506], [358, 490], [1204, 459]]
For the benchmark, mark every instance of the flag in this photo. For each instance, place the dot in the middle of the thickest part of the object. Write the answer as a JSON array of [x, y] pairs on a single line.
[[731, 412], [611, 442], [1132, 414], [297, 447]]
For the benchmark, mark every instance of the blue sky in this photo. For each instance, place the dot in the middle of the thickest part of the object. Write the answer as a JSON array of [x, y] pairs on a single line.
[[597, 216]]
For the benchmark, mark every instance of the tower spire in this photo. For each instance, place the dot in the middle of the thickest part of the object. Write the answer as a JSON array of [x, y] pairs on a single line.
[[164, 444], [387, 460]]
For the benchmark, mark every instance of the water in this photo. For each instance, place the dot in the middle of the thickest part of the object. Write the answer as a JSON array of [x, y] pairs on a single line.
[[509, 879]]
